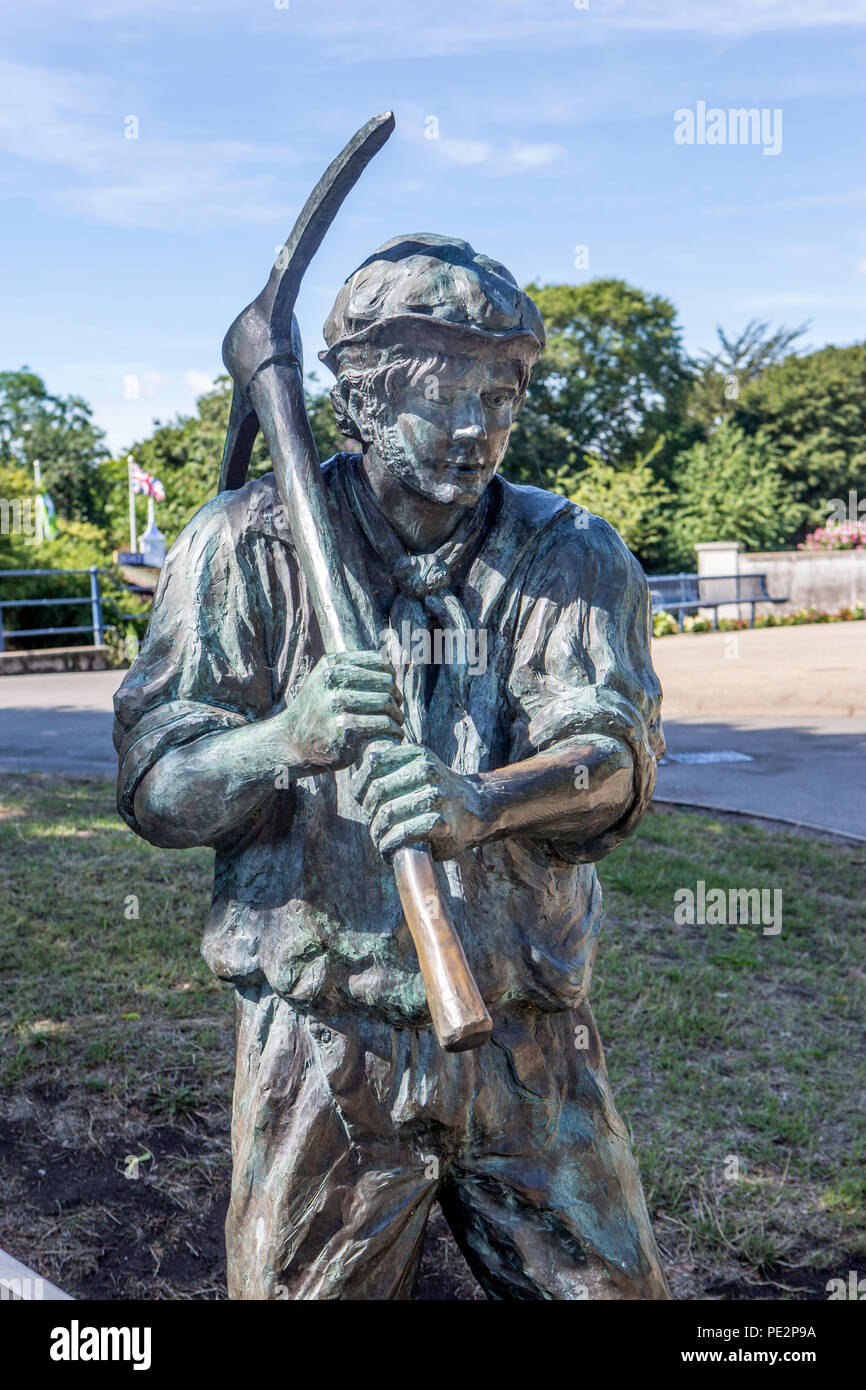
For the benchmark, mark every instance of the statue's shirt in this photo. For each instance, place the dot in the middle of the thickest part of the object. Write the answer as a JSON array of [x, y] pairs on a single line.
[[302, 899]]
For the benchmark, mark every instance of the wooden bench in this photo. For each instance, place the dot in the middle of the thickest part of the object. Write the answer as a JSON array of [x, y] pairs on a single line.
[[686, 593]]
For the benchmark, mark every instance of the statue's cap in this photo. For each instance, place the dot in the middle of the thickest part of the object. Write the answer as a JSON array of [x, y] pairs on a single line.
[[431, 292]]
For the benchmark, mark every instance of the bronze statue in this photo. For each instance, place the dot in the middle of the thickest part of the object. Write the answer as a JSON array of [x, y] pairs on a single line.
[[355, 669]]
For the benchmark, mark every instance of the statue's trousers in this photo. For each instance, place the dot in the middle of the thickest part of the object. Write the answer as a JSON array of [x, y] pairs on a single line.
[[342, 1141]]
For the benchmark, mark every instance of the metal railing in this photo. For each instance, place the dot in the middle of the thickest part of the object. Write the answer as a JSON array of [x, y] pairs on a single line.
[[683, 593], [95, 600]]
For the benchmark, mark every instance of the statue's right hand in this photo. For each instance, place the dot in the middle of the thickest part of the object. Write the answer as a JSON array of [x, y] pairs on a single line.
[[347, 700]]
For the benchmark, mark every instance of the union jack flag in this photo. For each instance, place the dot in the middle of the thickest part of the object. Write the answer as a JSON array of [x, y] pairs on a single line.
[[146, 483]]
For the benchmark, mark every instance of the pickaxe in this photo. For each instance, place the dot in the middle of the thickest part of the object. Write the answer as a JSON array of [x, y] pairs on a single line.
[[262, 351]]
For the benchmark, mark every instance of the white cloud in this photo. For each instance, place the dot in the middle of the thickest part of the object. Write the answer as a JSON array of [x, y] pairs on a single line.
[[385, 29], [516, 157], [536, 156], [71, 122], [733, 16], [199, 382], [496, 160], [463, 151], [128, 398]]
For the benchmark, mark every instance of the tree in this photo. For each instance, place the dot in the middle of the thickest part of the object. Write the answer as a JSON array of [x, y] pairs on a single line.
[[185, 455], [631, 498], [17, 517], [612, 381], [328, 439], [60, 433], [79, 544], [811, 412], [730, 488], [720, 376]]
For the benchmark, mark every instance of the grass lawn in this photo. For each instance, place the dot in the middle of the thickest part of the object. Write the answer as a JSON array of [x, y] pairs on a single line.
[[737, 1058]]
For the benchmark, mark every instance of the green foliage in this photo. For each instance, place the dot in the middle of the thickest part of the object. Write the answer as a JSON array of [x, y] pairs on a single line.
[[17, 522], [664, 624], [120, 645], [617, 418], [185, 455], [135, 1022], [811, 411], [720, 376], [631, 498], [60, 433], [612, 380], [328, 439], [730, 487], [77, 546]]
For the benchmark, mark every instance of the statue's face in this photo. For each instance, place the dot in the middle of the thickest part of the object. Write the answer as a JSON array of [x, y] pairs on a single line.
[[445, 434]]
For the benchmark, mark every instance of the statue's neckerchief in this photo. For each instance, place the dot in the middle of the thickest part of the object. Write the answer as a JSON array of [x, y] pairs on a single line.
[[425, 600]]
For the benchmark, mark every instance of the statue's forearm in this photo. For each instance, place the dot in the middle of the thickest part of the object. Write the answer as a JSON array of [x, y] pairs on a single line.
[[202, 791], [579, 788]]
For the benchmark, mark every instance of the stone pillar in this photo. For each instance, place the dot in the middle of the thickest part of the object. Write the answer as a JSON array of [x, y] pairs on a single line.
[[721, 557]]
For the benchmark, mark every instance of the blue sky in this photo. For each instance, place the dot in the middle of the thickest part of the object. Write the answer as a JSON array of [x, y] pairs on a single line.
[[129, 258]]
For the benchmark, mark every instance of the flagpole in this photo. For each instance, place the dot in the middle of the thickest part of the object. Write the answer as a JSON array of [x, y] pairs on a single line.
[[151, 520], [133, 541], [40, 520]]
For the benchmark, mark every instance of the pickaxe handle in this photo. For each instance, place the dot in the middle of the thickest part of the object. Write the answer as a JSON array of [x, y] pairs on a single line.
[[276, 395]]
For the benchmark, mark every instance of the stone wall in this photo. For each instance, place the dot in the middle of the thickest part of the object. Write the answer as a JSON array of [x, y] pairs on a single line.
[[828, 580], [54, 659]]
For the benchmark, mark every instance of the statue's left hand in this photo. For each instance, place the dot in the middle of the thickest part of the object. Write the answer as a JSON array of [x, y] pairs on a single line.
[[411, 797]]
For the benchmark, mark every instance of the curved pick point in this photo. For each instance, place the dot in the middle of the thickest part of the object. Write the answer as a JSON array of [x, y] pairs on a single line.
[[274, 307], [318, 213]]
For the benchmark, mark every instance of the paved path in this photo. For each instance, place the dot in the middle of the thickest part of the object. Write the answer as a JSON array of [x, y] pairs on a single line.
[[792, 699], [818, 670], [58, 723], [812, 771]]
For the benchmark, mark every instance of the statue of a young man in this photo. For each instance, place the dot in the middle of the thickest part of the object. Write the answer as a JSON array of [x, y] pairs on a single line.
[[513, 635]]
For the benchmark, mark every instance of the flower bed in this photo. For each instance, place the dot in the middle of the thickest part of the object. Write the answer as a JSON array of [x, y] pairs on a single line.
[[665, 623], [837, 535]]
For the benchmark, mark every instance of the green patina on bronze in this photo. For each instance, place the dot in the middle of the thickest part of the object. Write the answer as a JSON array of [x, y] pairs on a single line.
[[529, 753]]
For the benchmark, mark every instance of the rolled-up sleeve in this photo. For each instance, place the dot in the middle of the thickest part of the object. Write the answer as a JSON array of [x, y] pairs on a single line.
[[215, 646], [583, 665]]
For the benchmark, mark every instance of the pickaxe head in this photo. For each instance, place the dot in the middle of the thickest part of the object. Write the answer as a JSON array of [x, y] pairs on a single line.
[[267, 331]]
